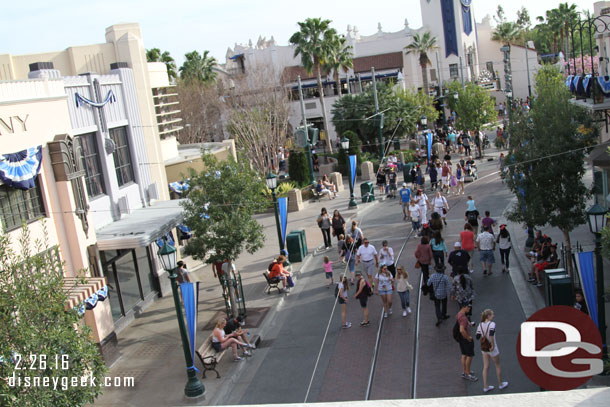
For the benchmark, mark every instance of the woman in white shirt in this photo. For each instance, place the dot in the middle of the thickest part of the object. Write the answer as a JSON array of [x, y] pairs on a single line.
[[439, 202], [415, 215], [383, 286], [386, 256], [487, 328], [220, 341]]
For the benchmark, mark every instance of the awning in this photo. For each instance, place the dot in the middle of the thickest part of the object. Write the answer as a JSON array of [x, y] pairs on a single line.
[[599, 157], [234, 57], [78, 291], [142, 227]]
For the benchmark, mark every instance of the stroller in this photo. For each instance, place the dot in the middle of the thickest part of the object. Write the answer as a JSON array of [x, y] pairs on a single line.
[[470, 172]]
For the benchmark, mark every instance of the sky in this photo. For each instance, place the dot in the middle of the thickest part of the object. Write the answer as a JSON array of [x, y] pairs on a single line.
[[181, 26]]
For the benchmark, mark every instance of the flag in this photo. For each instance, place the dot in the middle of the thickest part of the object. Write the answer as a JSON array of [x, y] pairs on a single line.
[[352, 164], [190, 299], [282, 204], [586, 272]]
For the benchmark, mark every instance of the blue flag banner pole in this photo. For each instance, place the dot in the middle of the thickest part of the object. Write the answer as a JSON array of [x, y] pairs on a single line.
[[282, 204], [352, 163], [586, 272], [429, 145], [190, 299]]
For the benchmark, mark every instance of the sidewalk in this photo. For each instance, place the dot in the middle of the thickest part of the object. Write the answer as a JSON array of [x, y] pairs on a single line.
[[151, 349]]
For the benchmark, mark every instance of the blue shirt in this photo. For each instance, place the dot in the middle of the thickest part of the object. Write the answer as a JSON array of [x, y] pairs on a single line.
[[471, 206], [405, 195], [438, 247]]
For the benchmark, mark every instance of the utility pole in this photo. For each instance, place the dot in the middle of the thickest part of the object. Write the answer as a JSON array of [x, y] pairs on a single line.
[[462, 72], [378, 117], [527, 63], [307, 144], [360, 83], [440, 87], [508, 85]]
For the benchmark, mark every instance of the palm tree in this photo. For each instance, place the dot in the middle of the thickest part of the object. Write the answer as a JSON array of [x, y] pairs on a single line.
[[422, 45], [314, 42], [341, 59], [566, 15], [198, 67], [506, 33], [155, 55]]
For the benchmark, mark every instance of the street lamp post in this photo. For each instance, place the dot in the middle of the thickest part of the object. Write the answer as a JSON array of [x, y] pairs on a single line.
[[272, 184], [597, 222], [345, 146], [194, 388], [424, 122]]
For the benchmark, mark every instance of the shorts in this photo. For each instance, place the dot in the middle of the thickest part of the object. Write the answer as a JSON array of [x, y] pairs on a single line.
[[466, 347], [385, 292], [392, 187], [487, 256], [445, 180], [328, 275], [217, 346], [369, 267], [341, 300], [364, 299], [405, 205]]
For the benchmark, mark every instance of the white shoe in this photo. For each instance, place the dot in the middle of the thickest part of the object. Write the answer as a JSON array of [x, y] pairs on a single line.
[[503, 385], [486, 389], [385, 314], [246, 353], [390, 311], [404, 313], [409, 310]]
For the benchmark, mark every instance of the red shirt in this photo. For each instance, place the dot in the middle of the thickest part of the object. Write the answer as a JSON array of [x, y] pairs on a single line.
[[467, 238], [276, 270], [462, 319]]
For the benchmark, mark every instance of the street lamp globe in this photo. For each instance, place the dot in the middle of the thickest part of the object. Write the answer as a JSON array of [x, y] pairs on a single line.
[[345, 143], [424, 120], [456, 96], [168, 255], [597, 218], [271, 181]]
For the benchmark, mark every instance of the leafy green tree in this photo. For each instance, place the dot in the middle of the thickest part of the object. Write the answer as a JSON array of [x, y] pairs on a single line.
[[155, 55], [315, 42], [474, 108], [453, 89], [220, 206], [35, 322], [298, 166], [198, 67], [421, 45], [340, 59], [546, 160], [355, 148]]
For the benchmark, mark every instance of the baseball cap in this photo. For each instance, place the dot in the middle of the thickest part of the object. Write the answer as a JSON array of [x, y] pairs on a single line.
[[457, 244], [404, 184]]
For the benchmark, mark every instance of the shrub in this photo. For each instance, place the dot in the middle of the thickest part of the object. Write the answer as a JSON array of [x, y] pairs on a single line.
[[281, 190], [355, 147], [298, 167]]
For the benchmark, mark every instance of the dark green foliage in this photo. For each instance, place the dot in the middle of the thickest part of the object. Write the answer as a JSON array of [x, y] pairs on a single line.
[[474, 108], [298, 166], [230, 193], [355, 147], [546, 158], [34, 321]]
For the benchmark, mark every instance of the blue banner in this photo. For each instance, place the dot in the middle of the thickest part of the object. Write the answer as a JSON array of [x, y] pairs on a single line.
[[190, 299], [429, 136], [467, 20], [587, 278], [282, 204], [352, 166], [449, 29]]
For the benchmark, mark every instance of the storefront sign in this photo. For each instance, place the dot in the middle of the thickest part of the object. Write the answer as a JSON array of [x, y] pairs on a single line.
[[10, 123]]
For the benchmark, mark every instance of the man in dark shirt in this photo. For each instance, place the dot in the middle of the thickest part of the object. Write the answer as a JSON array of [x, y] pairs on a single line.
[[234, 325], [458, 258], [392, 177], [472, 217]]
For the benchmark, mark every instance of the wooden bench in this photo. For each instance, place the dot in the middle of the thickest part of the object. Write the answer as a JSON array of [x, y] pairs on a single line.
[[272, 283], [209, 357]]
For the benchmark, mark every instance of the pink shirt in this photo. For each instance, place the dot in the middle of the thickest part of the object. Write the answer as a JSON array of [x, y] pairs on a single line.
[[328, 267], [467, 238]]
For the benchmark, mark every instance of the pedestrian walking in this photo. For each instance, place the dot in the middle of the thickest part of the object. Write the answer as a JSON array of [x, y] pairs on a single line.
[[440, 205], [383, 286], [445, 173], [433, 173], [392, 179], [367, 255], [486, 333], [459, 176], [341, 246], [488, 222], [324, 223], [338, 224], [386, 256], [467, 242], [466, 342], [405, 197], [381, 180], [328, 271], [504, 244], [435, 224], [363, 291], [342, 288], [421, 199], [466, 141], [472, 215], [439, 249], [356, 233], [462, 290], [440, 287], [424, 256], [415, 215], [458, 259], [403, 288], [350, 257], [486, 244]]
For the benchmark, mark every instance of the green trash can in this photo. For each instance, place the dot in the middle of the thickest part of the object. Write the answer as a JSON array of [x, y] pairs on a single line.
[[302, 240], [561, 290], [547, 285], [406, 172], [396, 144], [367, 191], [293, 245]]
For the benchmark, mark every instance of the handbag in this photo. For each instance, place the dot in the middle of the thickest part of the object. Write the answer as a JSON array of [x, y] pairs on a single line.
[[289, 281], [485, 343], [417, 264], [444, 211]]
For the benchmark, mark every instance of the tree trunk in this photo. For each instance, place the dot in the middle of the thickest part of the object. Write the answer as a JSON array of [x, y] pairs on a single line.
[[323, 104], [424, 74], [569, 266], [337, 81]]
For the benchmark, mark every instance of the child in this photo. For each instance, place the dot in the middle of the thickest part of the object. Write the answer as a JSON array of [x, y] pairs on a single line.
[[328, 270], [403, 287]]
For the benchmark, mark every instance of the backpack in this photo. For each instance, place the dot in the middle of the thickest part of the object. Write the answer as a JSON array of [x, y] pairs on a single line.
[[456, 331], [472, 216], [367, 289], [270, 266], [336, 290], [485, 343]]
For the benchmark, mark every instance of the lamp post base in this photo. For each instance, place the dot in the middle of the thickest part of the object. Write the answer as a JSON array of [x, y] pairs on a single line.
[[194, 388], [352, 203]]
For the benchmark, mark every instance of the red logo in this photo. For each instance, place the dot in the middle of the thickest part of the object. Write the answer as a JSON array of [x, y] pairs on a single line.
[[559, 348]]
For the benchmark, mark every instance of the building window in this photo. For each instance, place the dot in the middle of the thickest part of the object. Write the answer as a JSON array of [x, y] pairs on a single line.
[[18, 206], [453, 71], [94, 180], [122, 156]]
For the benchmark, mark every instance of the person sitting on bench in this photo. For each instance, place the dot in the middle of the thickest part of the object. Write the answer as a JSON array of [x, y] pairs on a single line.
[[234, 325], [221, 341], [322, 190], [278, 271]]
